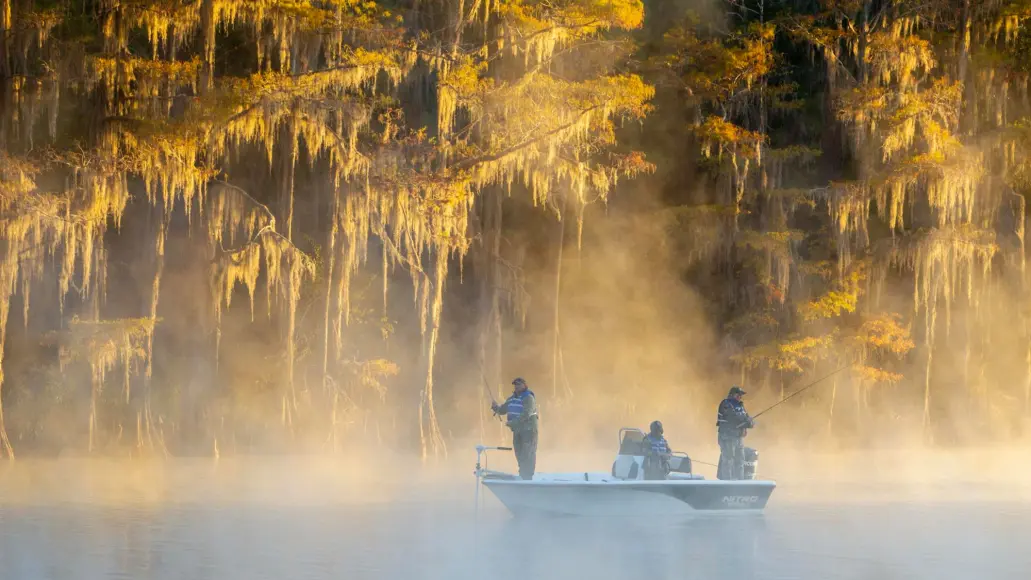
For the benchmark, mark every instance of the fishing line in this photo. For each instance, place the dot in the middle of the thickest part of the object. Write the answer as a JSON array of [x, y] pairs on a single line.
[[773, 406], [803, 389]]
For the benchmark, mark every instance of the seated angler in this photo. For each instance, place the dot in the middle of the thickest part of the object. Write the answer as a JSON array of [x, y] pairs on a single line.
[[657, 453]]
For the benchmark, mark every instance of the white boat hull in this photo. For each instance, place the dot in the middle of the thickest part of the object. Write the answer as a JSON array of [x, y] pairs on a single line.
[[598, 495]]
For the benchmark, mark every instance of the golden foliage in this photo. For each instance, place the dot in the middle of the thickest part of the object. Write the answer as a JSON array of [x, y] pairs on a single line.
[[718, 70], [843, 297], [885, 333], [791, 355], [538, 29], [716, 133]]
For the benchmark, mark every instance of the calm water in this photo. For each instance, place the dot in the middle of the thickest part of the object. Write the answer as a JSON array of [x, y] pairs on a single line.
[[283, 522]]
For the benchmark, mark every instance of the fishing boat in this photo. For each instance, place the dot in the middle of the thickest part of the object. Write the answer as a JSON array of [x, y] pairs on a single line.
[[624, 491]]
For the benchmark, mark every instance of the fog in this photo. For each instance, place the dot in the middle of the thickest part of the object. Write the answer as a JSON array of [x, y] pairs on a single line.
[[281, 255], [881, 516]]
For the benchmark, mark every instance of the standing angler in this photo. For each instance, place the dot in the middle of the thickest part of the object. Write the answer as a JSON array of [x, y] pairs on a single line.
[[521, 417], [732, 423]]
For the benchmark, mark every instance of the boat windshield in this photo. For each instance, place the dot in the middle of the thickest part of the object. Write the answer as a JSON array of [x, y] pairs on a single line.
[[632, 442]]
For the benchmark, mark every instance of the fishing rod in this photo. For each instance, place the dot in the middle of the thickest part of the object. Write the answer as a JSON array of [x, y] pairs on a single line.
[[483, 377], [803, 389], [486, 387]]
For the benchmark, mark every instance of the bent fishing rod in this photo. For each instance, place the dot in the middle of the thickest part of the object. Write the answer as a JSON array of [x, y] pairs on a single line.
[[486, 387], [771, 407], [802, 390]]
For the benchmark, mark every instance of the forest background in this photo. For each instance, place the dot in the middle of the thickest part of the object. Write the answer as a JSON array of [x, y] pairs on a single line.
[[237, 226]]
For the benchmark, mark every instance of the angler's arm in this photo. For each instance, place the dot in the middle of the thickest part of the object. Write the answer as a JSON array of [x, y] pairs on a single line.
[[744, 421], [747, 420], [736, 417]]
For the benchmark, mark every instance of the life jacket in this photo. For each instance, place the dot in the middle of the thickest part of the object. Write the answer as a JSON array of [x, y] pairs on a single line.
[[731, 416], [656, 462], [515, 405], [657, 445]]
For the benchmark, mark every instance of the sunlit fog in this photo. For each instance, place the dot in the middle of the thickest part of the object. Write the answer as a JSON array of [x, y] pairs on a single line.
[[270, 270]]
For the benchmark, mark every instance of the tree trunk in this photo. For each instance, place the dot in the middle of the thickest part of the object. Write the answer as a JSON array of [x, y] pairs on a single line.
[[152, 310], [288, 168], [557, 308], [290, 397], [5, 308], [926, 419], [830, 412], [459, 25], [94, 391], [331, 252], [962, 66], [5, 442], [207, 14], [864, 31], [5, 31], [431, 436]]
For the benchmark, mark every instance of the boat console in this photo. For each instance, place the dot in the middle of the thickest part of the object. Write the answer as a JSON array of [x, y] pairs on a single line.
[[629, 464]]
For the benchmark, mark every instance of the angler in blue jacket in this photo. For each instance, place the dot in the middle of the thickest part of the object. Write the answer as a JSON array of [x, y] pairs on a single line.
[[656, 453], [520, 411], [732, 423]]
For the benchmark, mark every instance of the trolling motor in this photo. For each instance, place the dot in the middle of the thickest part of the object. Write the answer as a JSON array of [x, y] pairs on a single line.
[[479, 472]]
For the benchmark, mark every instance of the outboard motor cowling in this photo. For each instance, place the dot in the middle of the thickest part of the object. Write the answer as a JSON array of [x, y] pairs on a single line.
[[751, 463]]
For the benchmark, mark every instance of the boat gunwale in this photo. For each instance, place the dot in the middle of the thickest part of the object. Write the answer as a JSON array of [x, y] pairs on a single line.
[[621, 482]]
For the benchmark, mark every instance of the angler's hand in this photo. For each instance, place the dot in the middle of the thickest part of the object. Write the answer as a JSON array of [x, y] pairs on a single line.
[[494, 407]]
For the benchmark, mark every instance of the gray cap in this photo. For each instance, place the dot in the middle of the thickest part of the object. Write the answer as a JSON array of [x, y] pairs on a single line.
[[735, 390]]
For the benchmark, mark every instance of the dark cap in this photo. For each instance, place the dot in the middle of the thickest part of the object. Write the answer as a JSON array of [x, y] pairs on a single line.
[[519, 381], [735, 390]]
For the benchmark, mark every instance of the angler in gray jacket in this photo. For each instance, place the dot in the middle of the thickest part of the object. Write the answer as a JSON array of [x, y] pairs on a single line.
[[520, 411], [732, 423]]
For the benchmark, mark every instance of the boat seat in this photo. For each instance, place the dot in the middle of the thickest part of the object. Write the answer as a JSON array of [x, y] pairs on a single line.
[[680, 463]]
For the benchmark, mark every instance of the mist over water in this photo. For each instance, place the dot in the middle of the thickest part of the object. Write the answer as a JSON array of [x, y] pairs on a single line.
[[302, 518]]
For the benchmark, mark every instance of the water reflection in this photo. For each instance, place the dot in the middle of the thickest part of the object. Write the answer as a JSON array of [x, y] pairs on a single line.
[[435, 534]]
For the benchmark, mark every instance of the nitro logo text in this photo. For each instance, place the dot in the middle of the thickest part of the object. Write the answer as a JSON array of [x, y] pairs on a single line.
[[740, 500]]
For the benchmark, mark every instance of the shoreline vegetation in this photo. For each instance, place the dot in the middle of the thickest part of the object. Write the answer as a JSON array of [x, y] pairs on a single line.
[[231, 227]]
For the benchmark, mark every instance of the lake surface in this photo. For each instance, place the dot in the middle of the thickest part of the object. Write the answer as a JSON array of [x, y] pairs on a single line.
[[283, 520]]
